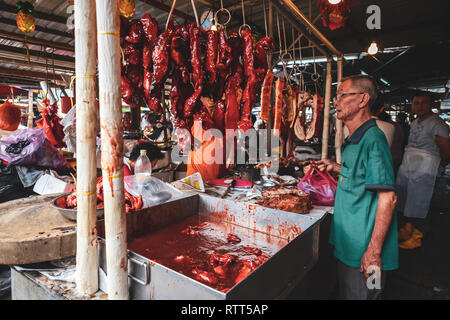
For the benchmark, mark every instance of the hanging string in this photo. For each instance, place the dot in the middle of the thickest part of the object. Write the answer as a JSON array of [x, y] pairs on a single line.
[[265, 18], [279, 34], [284, 37], [243, 12], [195, 13], [170, 13], [54, 75], [315, 76]]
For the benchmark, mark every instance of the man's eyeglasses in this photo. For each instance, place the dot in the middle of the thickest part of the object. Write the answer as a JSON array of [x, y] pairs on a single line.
[[341, 95]]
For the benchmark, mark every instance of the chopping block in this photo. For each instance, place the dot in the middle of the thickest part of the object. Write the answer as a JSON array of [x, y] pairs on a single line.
[[32, 231]]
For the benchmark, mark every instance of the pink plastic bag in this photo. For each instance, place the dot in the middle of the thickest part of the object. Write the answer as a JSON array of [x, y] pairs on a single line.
[[320, 186]]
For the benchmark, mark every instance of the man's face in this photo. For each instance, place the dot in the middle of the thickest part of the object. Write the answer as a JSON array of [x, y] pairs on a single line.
[[421, 105], [348, 105]]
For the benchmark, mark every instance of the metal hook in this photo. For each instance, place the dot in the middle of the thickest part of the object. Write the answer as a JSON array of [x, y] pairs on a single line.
[[216, 17]]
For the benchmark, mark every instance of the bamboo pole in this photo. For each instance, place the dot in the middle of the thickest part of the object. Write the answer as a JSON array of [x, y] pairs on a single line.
[[270, 57], [30, 109], [112, 147], [339, 128], [87, 117], [326, 118]]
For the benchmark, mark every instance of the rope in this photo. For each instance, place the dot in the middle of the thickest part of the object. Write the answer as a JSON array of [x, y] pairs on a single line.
[[112, 33]]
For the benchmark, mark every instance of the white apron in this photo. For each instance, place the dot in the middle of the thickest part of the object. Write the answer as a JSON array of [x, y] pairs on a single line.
[[415, 182]]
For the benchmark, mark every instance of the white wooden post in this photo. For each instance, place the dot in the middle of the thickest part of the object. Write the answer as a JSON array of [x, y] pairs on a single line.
[[112, 147], [30, 109], [339, 128], [87, 117], [326, 117]]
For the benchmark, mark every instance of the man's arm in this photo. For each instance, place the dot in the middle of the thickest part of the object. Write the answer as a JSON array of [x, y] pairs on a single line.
[[443, 144], [328, 165], [383, 218]]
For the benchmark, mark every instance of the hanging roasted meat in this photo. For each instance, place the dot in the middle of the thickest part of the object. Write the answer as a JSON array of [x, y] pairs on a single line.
[[197, 70], [277, 110], [224, 62], [262, 47], [150, 28], [233, 95], [132, 53], [305, 130], [160, 57], [211, 57], [135, 32], [266, 93], [290, 107], [249, 95]]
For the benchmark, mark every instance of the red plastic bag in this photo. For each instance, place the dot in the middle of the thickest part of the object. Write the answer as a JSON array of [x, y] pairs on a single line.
[[10, 116], [320, 186]]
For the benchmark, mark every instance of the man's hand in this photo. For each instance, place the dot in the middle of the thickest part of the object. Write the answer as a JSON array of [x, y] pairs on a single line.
[[327, 164], [370, 258]]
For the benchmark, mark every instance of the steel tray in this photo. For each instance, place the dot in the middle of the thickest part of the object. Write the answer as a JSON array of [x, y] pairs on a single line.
[[274, 279]]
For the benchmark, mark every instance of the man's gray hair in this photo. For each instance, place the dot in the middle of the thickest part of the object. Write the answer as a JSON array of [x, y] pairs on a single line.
[[365, 83]]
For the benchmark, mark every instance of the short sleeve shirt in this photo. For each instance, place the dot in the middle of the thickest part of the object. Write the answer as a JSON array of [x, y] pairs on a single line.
[[366, 168], [422, 134]]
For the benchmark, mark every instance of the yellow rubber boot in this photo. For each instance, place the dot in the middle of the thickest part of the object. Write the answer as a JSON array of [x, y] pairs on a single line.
[[405, 232], [415, 241]]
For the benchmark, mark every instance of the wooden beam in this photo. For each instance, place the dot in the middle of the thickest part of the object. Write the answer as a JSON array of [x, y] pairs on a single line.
[[23, 38], [11, 22], [161, 6], [37, 14]]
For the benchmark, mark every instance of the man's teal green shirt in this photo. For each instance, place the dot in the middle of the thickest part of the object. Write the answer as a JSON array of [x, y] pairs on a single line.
[[366, 169]]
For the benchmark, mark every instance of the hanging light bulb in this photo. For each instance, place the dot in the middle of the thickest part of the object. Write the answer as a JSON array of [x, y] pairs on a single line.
[[334, 1], [373, 48]]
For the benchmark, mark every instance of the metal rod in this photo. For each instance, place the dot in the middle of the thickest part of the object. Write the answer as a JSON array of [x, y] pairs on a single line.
[[296, 11], [281, 10], [339, 127], [326, 118]]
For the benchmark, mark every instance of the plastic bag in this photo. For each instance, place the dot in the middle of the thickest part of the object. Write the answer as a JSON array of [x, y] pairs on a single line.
[[320, 186], [10, 116], [153, 191], [38, 151]]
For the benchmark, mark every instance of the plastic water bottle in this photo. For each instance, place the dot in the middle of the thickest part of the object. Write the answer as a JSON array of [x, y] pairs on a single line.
[[143, 169]]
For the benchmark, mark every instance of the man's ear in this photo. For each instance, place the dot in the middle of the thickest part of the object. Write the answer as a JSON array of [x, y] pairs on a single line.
[[365, 100]]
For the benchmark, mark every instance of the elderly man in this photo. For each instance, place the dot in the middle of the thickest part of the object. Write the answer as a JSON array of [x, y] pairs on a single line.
[[428, 148], [364, 229]]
